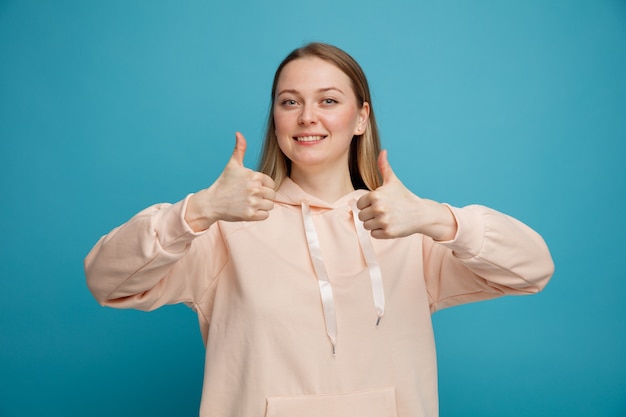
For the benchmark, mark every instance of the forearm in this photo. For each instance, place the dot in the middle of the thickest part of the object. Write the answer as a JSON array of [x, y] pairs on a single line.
[[491, 255], [441, 224], [135, 256], [501, 249]]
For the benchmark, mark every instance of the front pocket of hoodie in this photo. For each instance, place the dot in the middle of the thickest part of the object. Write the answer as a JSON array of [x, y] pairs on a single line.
[[379, 402]]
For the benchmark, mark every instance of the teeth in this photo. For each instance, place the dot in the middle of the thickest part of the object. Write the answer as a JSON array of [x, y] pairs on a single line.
[[309, 138]]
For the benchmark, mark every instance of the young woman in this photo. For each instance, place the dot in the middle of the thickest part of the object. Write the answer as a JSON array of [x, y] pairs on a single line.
[[315, 278]]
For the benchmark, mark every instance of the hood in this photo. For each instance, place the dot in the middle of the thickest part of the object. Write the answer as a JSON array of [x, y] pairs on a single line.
[[291, 194]]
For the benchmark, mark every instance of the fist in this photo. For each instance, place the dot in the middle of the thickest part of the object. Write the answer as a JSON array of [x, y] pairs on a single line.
[[392, 210], [239, 194]]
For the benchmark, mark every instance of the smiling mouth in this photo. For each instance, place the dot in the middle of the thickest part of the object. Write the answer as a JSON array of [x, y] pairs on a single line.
[[309, 138]]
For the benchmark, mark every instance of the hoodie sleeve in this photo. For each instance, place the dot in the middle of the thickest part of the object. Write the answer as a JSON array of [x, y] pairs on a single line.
[[492, 255], [154, 259]]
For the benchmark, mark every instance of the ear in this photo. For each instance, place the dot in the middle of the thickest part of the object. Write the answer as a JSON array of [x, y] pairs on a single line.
[[364, 115]]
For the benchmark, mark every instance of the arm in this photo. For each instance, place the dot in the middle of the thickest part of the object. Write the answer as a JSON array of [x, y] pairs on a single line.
[[491, 255], [470, 254], [148, 261], [162, 256]]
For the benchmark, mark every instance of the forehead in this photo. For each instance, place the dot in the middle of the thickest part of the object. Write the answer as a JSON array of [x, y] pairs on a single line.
[[312, 73]]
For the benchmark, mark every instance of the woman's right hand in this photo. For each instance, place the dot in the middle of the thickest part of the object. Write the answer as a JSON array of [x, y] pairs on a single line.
[[239, 194]]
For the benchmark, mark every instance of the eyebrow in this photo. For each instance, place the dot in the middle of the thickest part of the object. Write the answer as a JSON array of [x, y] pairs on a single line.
[[321, 90]]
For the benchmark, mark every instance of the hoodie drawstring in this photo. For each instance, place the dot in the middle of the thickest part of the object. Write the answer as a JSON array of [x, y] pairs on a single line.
[[376, 277], [326, 291]]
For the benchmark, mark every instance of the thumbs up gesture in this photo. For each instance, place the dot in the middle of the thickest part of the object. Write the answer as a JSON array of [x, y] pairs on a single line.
[[239, 194], [392, 210]]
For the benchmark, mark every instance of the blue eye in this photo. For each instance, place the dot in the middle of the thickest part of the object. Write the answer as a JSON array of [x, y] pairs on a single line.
[[289, 102], [329, 101]]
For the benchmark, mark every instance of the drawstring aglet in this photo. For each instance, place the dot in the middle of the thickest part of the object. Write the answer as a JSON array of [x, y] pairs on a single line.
[[378, 320], [333, 345]]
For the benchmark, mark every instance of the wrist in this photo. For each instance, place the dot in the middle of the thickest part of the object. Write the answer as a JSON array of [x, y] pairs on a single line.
[[444, 226], [195, 214]]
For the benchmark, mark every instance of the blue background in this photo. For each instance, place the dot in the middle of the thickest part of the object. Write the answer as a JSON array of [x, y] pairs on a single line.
[[108, 107]]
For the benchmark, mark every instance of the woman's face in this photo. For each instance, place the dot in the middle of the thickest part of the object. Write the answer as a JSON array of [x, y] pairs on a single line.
[[316, 114]]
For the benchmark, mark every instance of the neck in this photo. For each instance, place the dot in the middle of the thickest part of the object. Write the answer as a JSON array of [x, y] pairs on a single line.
[[327, 185]]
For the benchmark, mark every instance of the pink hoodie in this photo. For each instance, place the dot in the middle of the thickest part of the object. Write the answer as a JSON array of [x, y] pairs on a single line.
[[303, 314]]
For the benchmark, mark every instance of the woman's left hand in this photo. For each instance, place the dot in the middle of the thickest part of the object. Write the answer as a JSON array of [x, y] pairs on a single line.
[[392, 210]]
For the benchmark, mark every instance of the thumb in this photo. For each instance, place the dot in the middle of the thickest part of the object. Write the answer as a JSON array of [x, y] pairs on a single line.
[[384, 168], [240, 149]]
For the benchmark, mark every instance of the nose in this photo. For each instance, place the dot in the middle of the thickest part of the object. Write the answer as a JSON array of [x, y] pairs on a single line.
[[308, 115]]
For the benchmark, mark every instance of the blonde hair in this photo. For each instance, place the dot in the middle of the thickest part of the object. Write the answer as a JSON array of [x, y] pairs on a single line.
[[364, 148]]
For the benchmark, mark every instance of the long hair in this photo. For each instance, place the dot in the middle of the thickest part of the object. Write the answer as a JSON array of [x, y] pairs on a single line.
[[364, 148]]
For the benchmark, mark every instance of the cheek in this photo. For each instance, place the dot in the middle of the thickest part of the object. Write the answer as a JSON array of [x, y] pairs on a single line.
[[281, 121], [282, 131], [342, 121]]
